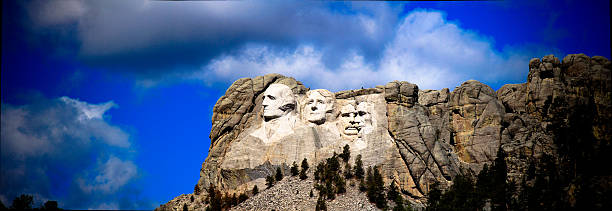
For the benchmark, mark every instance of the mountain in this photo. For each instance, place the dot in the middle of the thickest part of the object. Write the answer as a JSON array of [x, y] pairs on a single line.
[[562, 114]]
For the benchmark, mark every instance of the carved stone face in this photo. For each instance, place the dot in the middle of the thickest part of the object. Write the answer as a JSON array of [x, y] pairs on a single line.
[[350, 124], [364, 118], [278, 101], [316, 107]]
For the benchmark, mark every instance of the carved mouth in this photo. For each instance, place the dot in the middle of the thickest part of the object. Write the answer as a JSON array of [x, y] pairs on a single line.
[[351, 130]]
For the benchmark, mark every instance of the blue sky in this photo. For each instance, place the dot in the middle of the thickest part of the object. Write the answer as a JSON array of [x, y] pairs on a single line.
[[107, 104]]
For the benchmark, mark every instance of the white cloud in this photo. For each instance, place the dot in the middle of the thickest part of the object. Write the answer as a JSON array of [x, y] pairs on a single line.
[[53, 141], [89, 111], [49, 13], [426, 49], [111, 175]]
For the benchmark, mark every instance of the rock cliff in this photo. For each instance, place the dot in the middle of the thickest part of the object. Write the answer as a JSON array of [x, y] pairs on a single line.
[[416, 137]]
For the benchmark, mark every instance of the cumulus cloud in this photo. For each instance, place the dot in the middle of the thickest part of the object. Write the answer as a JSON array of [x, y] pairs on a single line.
[[62, 149], [153, 38], [426, 49]]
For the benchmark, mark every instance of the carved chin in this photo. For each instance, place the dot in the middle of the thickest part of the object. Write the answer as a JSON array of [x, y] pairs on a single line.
[[351, 131], [268, 117], [316, 118]]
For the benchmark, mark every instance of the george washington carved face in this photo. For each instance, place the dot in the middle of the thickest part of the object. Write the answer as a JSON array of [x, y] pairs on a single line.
[[319, 102], [278, 101]]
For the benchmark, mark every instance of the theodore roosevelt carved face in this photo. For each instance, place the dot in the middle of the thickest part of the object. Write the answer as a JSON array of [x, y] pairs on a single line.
[[278, 101], [349, 123], [356, 120], [364, 117], [319, 102]]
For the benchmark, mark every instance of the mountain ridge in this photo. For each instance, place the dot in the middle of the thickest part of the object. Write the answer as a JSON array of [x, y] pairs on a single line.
[[418, 137]]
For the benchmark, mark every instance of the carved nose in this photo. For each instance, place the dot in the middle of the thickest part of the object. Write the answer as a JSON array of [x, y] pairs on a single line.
[[314, 108]]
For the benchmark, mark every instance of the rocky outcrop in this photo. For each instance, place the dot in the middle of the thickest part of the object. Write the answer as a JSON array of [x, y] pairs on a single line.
[[416, 137]]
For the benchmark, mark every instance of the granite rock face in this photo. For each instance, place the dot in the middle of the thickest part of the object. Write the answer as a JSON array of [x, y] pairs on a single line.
[[417, 137]]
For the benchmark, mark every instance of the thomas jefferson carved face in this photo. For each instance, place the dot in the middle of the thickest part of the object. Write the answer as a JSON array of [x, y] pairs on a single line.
[[278, 101], [317, 105]]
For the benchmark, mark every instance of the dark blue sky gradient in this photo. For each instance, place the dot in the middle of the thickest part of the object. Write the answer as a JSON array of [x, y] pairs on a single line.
[[169, 120]]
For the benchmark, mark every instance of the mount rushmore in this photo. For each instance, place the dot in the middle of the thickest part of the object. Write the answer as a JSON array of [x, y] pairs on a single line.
[[416, 137]]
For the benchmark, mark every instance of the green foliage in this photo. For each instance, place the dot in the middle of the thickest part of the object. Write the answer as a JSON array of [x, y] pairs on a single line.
[[50, 205], [329, 181], [348, 171], [434, 196], [320, 204], [215, 199], [346, 153], [185, 207], [305, 167], [191, 198], [233, 200], [311, 194], [294, 169], [362, 186], [279, 174], [393, 193], [2, 207], [243, 197], [255, 190], [375, 188], [358, 167], [23, 202], [464, 194], [196, 189], [270, 181]]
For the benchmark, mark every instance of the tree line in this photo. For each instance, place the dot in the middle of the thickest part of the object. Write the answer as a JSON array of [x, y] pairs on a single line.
[[26, 202]]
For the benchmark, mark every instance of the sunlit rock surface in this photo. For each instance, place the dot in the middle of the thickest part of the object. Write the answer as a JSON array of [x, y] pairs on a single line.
[[417, 137]]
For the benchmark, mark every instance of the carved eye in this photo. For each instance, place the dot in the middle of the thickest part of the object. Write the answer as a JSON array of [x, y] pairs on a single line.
[[346, 114], [271, 97], [361, 113], [320, 101], [310, 101]]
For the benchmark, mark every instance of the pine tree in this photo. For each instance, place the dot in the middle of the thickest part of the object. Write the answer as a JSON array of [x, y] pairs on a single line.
[[434, 196], [279, 174], [358, 167], [23, 202], [340, 185], [214, 198], [185, 207], [305, 167], [294, 169], [393, 194], [255, 190], [196, 189], [243, 197], [362, 185], [270, 181], [49, 205], [348, 172], [500, 192], [379, 194], [320, 204], [346, 153], [233, 200]]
